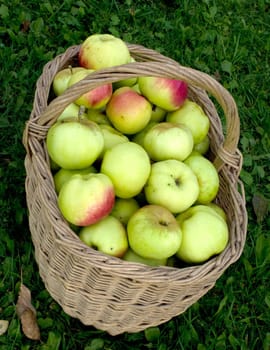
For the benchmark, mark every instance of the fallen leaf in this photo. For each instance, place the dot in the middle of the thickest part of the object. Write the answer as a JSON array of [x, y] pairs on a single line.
[[260, 206], [3, 326], [27, 314]]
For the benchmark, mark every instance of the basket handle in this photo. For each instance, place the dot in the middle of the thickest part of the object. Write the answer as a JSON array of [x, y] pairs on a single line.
[[152, 63]]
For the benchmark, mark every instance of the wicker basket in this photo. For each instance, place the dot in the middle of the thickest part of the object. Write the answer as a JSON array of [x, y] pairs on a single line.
[[106, 292]]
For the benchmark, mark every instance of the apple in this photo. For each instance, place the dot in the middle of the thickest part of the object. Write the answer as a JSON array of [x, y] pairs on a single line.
[[74, 144], [103, 50], [204, 234], [158, 114], [123, 209], [131, 256], [165, 93], [95, 98], [128, 166], [207, 176], [139, 136], [203, 146], [128, 111], [72, 111], [193, 116], [220, 211], [61, 79], [63, 175], [172, 184], [86, 199], [168, 141], [111, 137], [108, 236], [98, 116], [153, 232], [126, 82]]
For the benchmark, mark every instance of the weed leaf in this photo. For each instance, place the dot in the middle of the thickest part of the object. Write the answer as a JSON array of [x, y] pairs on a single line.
[[260, 206], [27, 314]]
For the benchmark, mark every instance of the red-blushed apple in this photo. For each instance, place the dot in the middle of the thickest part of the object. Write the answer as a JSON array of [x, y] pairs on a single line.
[[123, 209], [128, 166], [128, 111], [63, 175], [204, 234], [203, 146], [111, 137], [108, 236], [95, 98], [131, 256], [103, 50], [74, 144], [153, 232], [165, 93], [172, 184], [192, 115], [207, 176], [168, 141], [61, 79], [86, 199]]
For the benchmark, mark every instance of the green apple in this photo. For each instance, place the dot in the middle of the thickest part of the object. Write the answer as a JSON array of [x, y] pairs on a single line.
[[172, 184], [111, 137], [86, 199], [123, 209], [204, 234], [95, 98], [165, 93], [63, 175], [97, 116], [168, 141], [139, 136], [108, 236], [72, 111], [207, 176], [128, 111], [203, 146], [103, 50], [158, 114], [153, 232], [193, 116], [128, 166], [74, 144], [61, 79], [131, 256], [220, 211]]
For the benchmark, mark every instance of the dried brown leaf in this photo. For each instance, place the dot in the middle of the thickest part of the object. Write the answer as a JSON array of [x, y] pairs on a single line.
[[27, 314], [3, 326], [260, 206]]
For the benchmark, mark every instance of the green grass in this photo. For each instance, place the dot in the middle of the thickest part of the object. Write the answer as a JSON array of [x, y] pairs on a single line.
[[227, 39]]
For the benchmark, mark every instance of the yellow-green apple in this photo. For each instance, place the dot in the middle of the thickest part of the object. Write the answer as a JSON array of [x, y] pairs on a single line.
[[95, 98], [74, 144], [193, 116], [131, 256], [128, 166], [168, 141], [63, 175], [103, 50], [172, 184], [86, 199], [153, 232], [139, 136], [166, 93], [123, 209], [204, 234], [97, 116], [207, 176], [61, 79], [218, 209], [72, 111], [128, 111], [111, 137], [158, 114], [203, 146], [108, 236]]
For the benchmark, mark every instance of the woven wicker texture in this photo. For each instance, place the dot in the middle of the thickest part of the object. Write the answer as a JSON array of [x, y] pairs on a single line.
[[106, 292]]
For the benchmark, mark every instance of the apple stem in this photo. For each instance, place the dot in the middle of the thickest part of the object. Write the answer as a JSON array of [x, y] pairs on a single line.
[[81, 112]]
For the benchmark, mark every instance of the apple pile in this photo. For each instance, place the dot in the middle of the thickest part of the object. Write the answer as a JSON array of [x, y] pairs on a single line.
[[130, 165]]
